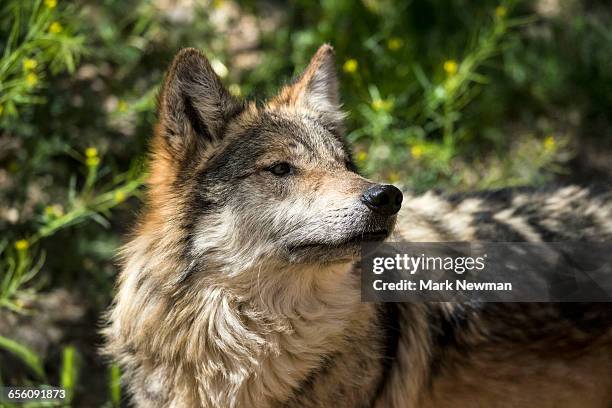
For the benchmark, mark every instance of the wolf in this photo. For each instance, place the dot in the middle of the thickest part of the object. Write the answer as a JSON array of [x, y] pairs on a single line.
[[240, 286]]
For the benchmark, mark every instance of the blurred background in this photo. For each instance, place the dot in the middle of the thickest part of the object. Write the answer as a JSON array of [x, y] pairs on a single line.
[[451, 94]]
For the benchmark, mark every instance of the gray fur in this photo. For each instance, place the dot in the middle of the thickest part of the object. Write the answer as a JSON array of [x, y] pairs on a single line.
[[240, 287]]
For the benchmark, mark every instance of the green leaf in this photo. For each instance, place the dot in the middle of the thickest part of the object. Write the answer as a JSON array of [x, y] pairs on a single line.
[[69, 371], [25, 354], [115, 385]]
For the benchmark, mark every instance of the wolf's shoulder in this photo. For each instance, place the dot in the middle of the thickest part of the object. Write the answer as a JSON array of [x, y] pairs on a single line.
[[552, 213]]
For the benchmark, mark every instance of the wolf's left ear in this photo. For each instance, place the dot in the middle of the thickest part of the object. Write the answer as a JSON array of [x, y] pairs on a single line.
[[317, 90], [194, 105]]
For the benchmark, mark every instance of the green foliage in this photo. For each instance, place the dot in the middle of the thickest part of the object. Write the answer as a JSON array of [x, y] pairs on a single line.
[[25, 354], [18, 266], [38, 40], [420, 80], [114, 385], [69, 373]]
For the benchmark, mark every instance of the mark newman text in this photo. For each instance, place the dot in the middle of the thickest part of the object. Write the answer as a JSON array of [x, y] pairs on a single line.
[[459, 285]]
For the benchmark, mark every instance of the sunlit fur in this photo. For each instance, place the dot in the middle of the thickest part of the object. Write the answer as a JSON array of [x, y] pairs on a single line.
[[239, 287]]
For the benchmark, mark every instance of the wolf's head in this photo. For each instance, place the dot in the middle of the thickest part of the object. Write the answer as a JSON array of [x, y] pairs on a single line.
[[247, 183]]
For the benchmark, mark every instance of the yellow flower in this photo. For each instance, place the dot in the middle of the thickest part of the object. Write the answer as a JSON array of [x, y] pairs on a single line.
[[549, 143], [394, 43], [119, 196], [122, 106], [29, 64], [381, 104], [501, 11], [393, 177], [350, 66], [219, 68], [31, 79], [55, 28], [416, 151], [92, 161], [217, 3], [378, 104], [54, 210], [49, 210], [235, 89], [22, 245], [450, 67], [362, 156], [51, 3], [91, 152]]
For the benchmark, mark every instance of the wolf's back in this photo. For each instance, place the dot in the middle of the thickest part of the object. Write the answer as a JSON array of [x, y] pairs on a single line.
[[569, 213]]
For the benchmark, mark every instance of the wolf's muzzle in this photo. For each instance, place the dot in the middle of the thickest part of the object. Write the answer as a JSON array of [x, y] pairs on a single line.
[[383, 199]]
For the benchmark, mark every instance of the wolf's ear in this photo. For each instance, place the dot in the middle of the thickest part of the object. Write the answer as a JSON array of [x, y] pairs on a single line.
[[194, 104], [317, 90]]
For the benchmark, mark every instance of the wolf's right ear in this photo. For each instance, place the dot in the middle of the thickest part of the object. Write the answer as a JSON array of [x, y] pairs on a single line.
[[194, 104], [317, 90]]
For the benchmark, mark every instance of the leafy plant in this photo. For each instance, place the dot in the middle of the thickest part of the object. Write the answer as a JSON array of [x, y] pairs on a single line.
[[18, 265], [114, 385], [68, 373], [39, 39], [25, 354]]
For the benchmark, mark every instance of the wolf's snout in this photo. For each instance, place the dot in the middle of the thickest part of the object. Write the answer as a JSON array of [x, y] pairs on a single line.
[[383, 199]]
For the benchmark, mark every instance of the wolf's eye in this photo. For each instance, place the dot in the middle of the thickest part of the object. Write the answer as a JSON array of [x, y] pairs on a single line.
[[281, 169]]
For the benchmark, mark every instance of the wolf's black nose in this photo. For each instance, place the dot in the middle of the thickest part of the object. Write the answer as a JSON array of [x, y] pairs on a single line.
[[384, 199]]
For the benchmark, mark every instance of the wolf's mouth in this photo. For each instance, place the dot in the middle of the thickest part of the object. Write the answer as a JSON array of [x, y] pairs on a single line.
[[367, 236], [380, 235]]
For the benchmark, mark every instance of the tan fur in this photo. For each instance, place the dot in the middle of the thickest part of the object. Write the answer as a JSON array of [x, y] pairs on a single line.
[[207, 314]]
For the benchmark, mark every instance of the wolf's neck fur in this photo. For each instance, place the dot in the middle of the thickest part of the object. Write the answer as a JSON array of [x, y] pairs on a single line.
[[297, 318], [248, 340]]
